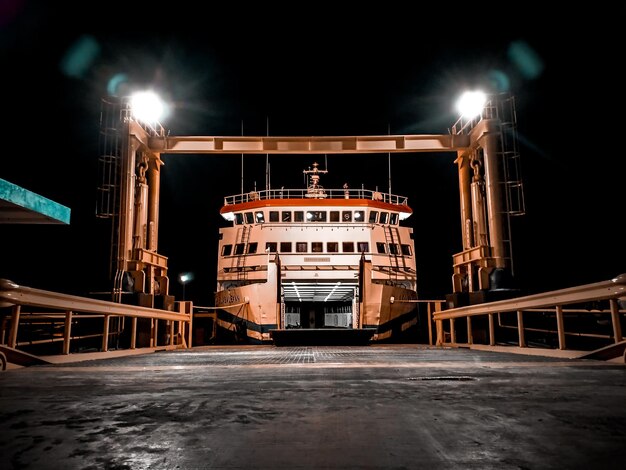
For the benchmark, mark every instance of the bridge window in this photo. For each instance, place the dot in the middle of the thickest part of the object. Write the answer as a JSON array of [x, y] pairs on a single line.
[[316, 216], [347, 247], [252, 247], [274, 216], [393, 219], [271, 247], [249, 217], [285, 247], [346, 216], [317, 247], [286, 216], [332, 247], [239, 248], [301, 247], [260, 218], [381, 247], [359, 216], [406, 250], [227, 250], [384, 217], [394, 249], [298, 216], [238, 218], [334, 216], [373, 217], [363, 247]]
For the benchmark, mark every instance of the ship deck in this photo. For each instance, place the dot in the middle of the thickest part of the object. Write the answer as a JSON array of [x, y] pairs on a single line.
[[369, 407]]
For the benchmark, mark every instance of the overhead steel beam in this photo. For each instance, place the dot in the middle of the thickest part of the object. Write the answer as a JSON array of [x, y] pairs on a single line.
[[308, 145]]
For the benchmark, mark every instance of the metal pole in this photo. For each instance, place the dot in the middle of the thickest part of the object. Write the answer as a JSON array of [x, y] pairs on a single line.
[[105, 334], [67, 333], [133, 333], [15, 321], [492, 333], [429, 317], [520, 329], [560, 326], [617, 327], [452, 331]]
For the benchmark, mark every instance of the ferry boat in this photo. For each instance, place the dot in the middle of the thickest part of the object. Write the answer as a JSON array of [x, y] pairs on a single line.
[[314, 260]]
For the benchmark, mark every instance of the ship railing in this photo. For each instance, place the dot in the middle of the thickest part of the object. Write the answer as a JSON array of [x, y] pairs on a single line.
[[316, 193], [601, 303]]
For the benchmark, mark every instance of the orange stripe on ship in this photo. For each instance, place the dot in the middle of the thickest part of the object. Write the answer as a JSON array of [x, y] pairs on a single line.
[[314, 202]]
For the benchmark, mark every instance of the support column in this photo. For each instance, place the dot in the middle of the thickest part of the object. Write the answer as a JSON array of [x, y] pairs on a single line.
[[154, 185], [126, 209], [462, 162], [489, 133]]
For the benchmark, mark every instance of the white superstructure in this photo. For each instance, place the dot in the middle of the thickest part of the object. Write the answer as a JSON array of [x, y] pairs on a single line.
[[315, 258]]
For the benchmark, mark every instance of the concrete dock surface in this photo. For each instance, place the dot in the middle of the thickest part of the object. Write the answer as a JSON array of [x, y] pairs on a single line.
[[322, 407]]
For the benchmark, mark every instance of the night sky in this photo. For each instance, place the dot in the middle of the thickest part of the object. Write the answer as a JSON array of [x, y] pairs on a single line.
[[313, 69]]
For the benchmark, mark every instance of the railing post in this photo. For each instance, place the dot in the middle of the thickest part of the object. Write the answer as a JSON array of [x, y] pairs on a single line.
[[429, 318], [190, 324], [492, 333], [133, 333], [15, 321], [452, 332], [520, 329], [470, 338], [67, 332], [617, 327], [105, 334], [439, 328], [171, 322], [154, 326], [560, 326]]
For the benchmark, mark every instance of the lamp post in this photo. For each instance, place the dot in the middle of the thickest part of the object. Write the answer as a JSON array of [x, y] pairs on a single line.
[[184, 278]]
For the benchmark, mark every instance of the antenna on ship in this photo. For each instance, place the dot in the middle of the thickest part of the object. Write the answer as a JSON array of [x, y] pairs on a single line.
[[389, 160], [267, 156], [242, 159]]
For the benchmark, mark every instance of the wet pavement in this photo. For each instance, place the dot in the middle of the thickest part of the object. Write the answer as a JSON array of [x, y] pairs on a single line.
[[370, 407]]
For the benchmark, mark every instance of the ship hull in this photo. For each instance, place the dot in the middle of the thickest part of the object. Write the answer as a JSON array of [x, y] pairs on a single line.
[[253, 313]]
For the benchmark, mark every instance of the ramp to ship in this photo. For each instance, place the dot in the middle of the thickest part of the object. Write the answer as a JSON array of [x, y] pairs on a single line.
[[322, 336]]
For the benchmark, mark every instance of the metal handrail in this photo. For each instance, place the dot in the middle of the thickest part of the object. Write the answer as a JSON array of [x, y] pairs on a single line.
[[612, 289], [319, 193], [14, 294]]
